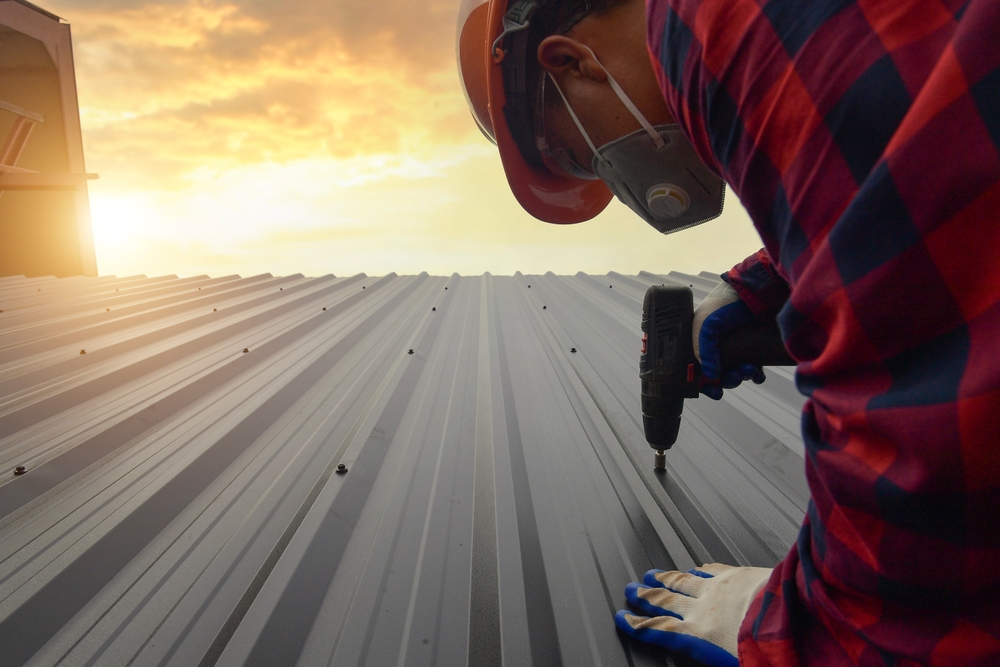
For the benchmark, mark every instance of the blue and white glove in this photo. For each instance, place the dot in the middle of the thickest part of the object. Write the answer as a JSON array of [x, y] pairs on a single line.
[[697, 613], [721, 311]]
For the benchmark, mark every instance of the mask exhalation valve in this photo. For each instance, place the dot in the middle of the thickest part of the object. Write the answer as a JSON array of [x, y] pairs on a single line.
[[667, 200]]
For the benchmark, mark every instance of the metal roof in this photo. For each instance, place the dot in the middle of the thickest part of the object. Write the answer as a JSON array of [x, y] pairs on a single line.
[[181, 503]]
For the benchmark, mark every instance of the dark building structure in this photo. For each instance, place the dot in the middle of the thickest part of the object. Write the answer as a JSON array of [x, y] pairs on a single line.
[[44, 209]]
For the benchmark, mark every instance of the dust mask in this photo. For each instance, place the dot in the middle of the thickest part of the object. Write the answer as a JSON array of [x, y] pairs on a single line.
[[655, 171]]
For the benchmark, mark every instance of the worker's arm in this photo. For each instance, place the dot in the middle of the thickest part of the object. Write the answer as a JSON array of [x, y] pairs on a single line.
[[752, 291]]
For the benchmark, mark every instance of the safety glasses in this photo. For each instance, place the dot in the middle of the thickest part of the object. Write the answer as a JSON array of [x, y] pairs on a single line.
[[556, 160]]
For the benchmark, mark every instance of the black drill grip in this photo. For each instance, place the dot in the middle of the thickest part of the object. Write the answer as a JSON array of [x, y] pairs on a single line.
[[757, 344]]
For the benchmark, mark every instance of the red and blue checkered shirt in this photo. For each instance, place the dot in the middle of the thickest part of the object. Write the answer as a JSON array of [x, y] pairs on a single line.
[[863, 137]]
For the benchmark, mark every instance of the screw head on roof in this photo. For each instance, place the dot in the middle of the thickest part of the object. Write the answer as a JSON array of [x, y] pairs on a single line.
[[446, 288], [324, 307], [573, 350], [199, 289], [215, 310], [116, 289], [545, 307], [1, 311], [107, 310], [20, 470], [245, 350], [611, 286], [341, 468], [281, 289], [529, 286], [410, 352], [83, 352], [362, 287], [434, 308]]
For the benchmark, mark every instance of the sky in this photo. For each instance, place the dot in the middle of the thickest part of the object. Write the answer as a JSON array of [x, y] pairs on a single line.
[[316, 137]]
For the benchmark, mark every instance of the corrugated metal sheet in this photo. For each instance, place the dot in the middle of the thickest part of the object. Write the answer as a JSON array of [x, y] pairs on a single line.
[[182, 506]]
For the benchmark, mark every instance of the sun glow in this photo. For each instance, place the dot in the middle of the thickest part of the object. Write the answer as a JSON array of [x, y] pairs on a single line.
[[237, 137]]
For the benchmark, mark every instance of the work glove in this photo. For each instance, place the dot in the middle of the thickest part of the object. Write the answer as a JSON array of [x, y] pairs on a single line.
[[697, 613], [721, 311]]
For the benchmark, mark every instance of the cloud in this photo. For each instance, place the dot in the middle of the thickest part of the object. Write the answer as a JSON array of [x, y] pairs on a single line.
[[169, 87], [322, 136]]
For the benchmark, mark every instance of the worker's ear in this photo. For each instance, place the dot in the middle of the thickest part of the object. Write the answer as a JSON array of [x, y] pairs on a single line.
[[560, 54]]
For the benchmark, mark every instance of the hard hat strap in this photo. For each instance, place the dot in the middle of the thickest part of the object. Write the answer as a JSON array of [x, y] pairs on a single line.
[[517, 18]]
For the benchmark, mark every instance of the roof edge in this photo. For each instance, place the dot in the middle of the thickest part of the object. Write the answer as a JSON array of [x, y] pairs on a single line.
[[39, 10]]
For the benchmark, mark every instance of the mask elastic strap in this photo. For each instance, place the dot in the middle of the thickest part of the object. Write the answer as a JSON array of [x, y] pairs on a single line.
[[633, 109], [572, 114]]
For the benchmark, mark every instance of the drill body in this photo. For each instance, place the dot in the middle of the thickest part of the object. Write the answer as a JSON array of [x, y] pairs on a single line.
[[669, 372]]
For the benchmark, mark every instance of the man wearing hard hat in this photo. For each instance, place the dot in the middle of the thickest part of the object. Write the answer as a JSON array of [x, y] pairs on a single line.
[[863, 138]]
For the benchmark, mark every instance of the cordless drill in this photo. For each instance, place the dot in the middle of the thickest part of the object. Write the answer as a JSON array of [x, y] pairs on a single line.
[[669, 370]]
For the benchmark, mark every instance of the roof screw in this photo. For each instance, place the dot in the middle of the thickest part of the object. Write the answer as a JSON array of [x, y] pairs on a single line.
[[107, 310], [215, 310], [324, 307], [446, 288], [529, 286], [1, 311], [411, 352], [116, 289], [83, 352], [341, 469], [545, 307], [245, 350], [20, 470], [434, 308], [573, 350], [611, 286], [281, 289], [199, 289], [362, 287]]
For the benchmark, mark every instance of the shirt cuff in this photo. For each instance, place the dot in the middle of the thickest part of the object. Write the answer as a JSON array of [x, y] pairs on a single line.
[[759, 285]]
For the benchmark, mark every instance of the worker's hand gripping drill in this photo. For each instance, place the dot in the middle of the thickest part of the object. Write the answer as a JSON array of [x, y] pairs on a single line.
[[697, 613], [719, 313]]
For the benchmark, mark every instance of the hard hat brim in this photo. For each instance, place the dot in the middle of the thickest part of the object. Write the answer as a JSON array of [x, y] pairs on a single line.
[[543, 194]]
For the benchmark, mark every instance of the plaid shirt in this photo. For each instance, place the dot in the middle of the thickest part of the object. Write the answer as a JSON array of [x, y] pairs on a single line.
[[863, 137]]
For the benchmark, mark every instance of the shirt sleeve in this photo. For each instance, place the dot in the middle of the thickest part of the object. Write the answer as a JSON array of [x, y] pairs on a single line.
[[759, 284], [864, 144]]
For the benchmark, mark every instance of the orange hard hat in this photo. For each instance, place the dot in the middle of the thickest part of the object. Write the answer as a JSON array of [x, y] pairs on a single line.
[[484, 27]]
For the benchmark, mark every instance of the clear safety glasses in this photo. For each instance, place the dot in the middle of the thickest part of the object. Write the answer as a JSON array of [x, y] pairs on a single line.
[[557, 160]]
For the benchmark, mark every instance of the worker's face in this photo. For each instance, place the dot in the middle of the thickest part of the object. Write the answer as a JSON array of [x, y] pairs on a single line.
[[619, 40]]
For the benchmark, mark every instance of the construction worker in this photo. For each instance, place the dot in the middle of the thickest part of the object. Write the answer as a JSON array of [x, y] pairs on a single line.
[[863, 138]]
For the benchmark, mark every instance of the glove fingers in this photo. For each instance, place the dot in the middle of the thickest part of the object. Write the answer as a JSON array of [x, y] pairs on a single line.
[[715, 569], [708, 346], [658, 601], [633, 623], [713, 391], [726, 318], [732, 379], [669, 633], [679, 582]]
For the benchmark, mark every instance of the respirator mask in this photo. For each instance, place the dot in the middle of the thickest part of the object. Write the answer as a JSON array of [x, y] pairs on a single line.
[[654, 171]]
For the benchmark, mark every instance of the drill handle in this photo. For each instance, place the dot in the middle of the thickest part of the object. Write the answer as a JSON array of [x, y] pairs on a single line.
[[758, 344]]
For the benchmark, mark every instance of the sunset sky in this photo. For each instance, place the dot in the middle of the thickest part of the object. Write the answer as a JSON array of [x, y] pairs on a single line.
[[321, 136]]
